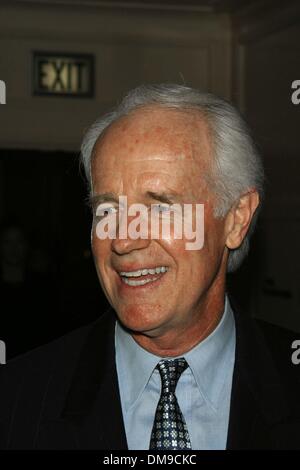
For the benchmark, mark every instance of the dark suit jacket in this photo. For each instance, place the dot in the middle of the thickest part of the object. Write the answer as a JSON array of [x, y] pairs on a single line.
[[65, 395]]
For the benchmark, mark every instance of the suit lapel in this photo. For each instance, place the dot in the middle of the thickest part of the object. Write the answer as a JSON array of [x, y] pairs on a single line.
[[258, 401], [91, 417]]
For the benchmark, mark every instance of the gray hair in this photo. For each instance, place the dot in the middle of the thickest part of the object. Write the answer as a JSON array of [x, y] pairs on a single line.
[[236, 167]]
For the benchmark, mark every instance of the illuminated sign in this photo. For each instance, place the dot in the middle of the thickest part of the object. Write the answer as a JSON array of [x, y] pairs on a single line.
[[63, 74]]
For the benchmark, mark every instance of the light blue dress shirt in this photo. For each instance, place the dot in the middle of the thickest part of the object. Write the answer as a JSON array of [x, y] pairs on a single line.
[[203, 391]]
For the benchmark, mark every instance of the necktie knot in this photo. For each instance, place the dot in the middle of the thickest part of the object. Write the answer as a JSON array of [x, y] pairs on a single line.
[[170, 370]]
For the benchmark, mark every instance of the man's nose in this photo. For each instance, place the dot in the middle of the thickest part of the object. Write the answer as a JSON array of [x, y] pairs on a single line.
[[129, 241]]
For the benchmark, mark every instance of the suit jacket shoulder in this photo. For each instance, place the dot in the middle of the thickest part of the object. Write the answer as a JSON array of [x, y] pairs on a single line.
[[279, 342], [64, 395], [265, 411], [25, 381]]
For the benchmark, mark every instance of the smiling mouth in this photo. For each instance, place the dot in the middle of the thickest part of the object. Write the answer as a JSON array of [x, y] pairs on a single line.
[[143, 276]]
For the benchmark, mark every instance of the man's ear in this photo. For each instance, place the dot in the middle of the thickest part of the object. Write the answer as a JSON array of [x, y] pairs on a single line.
[[239, 218]]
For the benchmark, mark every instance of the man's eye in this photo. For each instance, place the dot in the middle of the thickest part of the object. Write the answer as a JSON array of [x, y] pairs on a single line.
[[105, 211], [161, 207]]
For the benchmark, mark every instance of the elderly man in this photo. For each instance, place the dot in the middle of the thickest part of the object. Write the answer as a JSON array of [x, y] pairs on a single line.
[[171, 366]]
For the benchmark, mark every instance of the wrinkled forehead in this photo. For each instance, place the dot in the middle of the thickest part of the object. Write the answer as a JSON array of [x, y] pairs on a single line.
[[177, 134]]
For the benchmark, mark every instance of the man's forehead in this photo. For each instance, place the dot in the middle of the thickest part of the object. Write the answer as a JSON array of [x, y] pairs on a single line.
[[158, 161], [137, 148], [175, 186], [156, 124]]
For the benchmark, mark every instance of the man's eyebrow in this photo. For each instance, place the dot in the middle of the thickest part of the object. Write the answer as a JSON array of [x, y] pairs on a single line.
[[168, 198], [94, 201]]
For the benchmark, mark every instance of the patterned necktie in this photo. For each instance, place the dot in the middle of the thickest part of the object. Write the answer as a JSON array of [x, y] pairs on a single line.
[[169, 430]]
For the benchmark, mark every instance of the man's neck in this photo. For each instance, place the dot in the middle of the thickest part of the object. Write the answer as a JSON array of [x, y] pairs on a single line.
[[180, 340]]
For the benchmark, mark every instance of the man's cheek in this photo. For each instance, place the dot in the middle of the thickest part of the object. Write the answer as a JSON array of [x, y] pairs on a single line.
[[99, 247]]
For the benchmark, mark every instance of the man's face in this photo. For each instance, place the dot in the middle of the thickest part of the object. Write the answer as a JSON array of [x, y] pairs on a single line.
[[151, 154]]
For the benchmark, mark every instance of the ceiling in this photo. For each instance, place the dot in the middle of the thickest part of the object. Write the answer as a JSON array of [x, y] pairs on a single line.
[[201, 5]]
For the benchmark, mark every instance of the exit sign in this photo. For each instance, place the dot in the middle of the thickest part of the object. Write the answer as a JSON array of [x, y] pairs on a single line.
[[63, 74]]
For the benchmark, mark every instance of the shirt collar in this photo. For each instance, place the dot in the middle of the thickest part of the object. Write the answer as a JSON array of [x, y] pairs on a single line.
[[209, 361], [213, 358]]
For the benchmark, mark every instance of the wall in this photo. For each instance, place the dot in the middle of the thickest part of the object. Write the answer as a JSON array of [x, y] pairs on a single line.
[[269, 64], [130, 47]]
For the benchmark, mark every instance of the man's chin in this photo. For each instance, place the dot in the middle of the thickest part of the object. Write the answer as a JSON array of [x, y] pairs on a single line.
[[141, 324]]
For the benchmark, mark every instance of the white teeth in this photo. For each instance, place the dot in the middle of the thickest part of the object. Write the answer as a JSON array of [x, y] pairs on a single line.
[[137, 273], [132, 282], [144, 272]]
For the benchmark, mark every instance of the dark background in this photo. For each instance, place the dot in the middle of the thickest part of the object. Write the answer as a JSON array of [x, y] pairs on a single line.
[[60, 289]]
